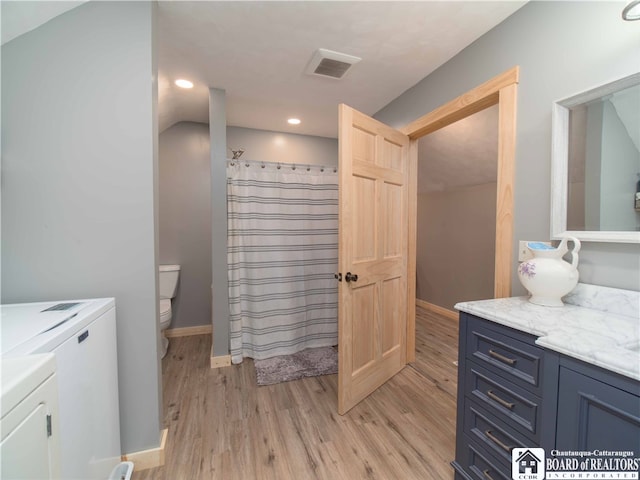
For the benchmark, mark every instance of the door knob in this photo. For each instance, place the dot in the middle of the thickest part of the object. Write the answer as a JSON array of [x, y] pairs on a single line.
[[350, 277]]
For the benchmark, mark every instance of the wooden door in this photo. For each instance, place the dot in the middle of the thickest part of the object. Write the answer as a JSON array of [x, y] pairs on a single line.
[[373, 255]]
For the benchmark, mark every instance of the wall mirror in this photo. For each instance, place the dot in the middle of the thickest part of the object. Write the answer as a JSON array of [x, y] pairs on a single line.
[[595, 189]]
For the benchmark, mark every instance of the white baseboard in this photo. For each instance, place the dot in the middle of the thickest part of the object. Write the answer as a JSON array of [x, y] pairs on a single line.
[[151, 458], [445, 312], [220, 361], [188, 331]]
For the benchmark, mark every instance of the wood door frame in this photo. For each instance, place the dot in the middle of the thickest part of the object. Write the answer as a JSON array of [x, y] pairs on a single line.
[[502, 91]]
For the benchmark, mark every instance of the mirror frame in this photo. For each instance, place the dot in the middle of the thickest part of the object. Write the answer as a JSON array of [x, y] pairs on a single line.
[[560, 161]]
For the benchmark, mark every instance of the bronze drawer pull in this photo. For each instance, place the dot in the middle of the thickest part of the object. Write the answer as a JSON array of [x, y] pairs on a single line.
[[497, 441], [502, 358], [487, 475], [502, 402]]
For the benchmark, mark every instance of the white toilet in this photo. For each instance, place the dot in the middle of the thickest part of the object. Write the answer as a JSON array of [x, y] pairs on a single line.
[[168, 284]]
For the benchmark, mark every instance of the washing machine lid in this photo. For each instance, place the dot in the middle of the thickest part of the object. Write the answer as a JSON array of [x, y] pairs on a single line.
[[21, 324], [165, 306]]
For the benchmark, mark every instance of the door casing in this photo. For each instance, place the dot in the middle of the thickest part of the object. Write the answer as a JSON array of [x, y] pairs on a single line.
[[501, 90]]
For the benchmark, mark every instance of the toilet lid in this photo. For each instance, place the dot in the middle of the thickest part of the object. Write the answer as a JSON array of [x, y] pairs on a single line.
[[165, 306]]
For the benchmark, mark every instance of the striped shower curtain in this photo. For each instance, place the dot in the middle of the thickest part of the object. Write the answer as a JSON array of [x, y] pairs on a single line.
[[282, 253]]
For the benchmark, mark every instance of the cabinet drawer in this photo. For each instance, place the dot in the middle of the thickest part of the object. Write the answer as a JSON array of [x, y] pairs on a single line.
[[510, 403], [516, 360], [481, 465], [490, 432]]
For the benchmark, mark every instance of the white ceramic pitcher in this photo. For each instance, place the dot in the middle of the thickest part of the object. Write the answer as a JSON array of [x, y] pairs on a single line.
[[546, 276]]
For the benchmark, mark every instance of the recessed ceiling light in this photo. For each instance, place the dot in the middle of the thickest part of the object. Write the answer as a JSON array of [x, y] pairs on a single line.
[[182, 83], [294, 121]]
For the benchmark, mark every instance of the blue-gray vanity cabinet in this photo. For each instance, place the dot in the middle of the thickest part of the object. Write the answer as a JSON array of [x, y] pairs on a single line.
[[512, 393], [501, 379], [597, 409]]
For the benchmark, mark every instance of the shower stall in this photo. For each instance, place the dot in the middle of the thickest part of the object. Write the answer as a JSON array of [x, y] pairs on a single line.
[[282, 255]]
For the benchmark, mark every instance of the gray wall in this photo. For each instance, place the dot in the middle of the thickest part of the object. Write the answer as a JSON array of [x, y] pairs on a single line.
[[219, 266], [186, 206], [266, 146], [78, 166], [593, 167], [619, 173], [457, 170], [185, 219], [562, 48], [455, 245], [259, 145]]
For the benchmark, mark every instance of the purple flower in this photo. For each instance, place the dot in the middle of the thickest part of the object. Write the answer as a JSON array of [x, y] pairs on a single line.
[[528, 269]]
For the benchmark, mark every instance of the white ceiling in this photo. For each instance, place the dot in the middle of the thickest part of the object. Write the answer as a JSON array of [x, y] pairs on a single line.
[[20, 17], [258, 51]]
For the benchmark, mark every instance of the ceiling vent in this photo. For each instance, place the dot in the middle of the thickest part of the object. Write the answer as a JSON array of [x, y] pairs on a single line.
[[327, 63]]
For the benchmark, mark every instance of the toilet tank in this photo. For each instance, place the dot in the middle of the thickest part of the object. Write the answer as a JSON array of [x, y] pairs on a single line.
[[169, 280]]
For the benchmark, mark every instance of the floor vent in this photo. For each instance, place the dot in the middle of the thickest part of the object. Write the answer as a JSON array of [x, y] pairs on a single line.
[[327, 63]]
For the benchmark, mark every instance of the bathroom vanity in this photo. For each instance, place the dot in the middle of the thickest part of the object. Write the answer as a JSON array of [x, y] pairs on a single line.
[[565, 378]]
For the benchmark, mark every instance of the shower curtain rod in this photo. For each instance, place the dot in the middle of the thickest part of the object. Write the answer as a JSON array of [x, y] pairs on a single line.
[[279, 165]]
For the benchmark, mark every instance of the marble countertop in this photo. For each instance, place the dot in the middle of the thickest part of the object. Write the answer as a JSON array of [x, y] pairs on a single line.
[[599, 337]]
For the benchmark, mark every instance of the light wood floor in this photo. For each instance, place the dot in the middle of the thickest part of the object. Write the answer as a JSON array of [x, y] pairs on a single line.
[[223, 426]]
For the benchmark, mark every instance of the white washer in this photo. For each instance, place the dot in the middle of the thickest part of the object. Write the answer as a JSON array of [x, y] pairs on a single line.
[[82, 335]]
